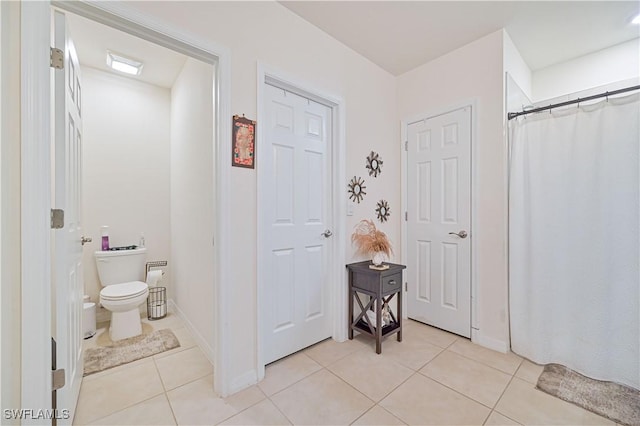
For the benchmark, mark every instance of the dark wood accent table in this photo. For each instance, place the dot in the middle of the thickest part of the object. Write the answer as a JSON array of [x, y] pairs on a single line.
[[380, 286]]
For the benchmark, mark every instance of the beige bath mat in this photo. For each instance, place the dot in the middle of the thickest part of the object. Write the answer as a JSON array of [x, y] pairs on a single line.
[[617, 402], [128, 350]]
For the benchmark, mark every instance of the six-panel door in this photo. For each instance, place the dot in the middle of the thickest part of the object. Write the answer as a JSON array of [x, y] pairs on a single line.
[[439, 221]]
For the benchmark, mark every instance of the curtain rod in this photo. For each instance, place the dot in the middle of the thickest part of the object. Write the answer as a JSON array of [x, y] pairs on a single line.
[[512, 115]]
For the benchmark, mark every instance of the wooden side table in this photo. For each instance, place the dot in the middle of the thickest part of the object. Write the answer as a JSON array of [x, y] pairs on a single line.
[[381, 287]]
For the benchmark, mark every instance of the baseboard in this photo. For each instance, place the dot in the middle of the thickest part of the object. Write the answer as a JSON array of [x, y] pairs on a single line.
[[489, 342], [200, 341]]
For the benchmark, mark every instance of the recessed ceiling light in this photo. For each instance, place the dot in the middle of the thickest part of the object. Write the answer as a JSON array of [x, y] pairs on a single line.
[[636, 20], [122, 64]]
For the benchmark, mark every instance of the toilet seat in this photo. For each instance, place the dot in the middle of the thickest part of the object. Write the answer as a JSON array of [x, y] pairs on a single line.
[[123, 291]]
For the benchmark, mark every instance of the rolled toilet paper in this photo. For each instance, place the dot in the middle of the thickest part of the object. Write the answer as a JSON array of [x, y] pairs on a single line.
[[154, 277]]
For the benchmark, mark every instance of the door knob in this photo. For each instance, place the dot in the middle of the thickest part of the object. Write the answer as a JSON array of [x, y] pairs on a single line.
[[461, 234], [327, 233], [84, 240]]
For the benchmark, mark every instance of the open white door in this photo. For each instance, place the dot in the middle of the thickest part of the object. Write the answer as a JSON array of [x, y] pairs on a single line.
[[439, 221], [296, 205], [69, 285]]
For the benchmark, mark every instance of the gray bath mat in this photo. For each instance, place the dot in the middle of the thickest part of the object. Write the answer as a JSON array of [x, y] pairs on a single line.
[[128, 350], [616, 402]]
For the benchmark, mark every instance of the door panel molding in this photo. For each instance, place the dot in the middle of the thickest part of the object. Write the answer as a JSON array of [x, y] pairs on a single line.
[[472, 103], [336, 246]]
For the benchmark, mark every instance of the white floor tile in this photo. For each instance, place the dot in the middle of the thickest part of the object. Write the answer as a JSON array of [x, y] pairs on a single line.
[[506, 362], [155, 411], [196, 404], [105, 395], [422, 401], [321, 399], [263, 413], [183, 367], [471, 378], [332, 383], [287, 371], [371, 373], [525, 404], [378, 416]]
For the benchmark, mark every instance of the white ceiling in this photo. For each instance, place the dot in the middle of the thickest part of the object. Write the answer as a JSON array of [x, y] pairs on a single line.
[[401, 35], [92, 40]]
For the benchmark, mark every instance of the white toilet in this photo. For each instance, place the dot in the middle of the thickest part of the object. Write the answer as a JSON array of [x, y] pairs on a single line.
[[121, 273]]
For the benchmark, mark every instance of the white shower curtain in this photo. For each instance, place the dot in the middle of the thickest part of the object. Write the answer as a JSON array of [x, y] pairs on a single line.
[[574, 239]]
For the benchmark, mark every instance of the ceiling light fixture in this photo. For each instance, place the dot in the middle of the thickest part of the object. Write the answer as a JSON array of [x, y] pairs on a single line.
[[122, 64], [636, 20]]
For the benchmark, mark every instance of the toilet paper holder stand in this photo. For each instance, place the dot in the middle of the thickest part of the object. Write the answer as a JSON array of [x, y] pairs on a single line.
[[155, 264]]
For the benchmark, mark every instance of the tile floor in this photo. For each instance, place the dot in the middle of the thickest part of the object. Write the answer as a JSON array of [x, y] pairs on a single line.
[[432, 377]]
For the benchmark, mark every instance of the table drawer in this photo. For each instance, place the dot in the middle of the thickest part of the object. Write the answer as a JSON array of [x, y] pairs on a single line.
[[392, 283]]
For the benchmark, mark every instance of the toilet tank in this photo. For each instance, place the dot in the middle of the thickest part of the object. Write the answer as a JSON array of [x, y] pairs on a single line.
[[120, 266]]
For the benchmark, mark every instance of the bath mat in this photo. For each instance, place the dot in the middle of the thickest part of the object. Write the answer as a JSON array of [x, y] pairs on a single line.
[[617, 402], [128, 350]]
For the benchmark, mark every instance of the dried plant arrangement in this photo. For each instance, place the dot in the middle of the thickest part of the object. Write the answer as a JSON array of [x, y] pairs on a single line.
[[370, 241]]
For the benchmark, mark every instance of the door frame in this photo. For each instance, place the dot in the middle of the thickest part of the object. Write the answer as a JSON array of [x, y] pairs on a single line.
[[473, 232], [337, 275], [36, 179], [35, 205]]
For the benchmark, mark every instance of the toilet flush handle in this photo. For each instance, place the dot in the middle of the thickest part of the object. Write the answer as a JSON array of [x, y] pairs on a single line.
[[84, 240]]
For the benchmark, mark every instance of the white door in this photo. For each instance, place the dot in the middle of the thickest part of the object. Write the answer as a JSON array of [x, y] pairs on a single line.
[[439, 221], [69, 285], [295, 204]]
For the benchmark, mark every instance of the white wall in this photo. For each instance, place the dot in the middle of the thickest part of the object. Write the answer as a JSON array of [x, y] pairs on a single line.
[[617, 63], [475, 72], [10, 290], [192, 198], [517, 68], [267, 32], [126, 165]]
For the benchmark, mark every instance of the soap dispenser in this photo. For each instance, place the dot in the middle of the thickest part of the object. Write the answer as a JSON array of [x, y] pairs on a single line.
[[105, 237]]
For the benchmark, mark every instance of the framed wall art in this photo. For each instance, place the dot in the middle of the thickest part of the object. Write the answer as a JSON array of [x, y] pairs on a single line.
[[243, 146]]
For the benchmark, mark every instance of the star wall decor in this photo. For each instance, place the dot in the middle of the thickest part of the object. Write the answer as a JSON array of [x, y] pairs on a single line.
[[374, 164], [382, 210], [356, 189]]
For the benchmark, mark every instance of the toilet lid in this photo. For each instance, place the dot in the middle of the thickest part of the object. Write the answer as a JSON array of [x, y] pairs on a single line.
[[124, 290]]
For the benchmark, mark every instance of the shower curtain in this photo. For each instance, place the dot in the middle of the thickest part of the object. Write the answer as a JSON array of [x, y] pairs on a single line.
[[574, 238]]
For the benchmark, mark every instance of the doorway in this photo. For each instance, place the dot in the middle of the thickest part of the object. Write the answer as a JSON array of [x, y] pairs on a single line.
[[36, 167], [439, 218], [147, 171]]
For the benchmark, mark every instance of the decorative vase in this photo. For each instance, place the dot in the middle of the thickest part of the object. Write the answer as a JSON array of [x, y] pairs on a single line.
[[378, 258]]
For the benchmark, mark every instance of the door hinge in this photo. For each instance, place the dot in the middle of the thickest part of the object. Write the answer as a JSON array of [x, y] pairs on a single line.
[[57, 379], [57, 218], [56, 58], [406, 286], [406, 216], [57, 374], [406, 145]]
